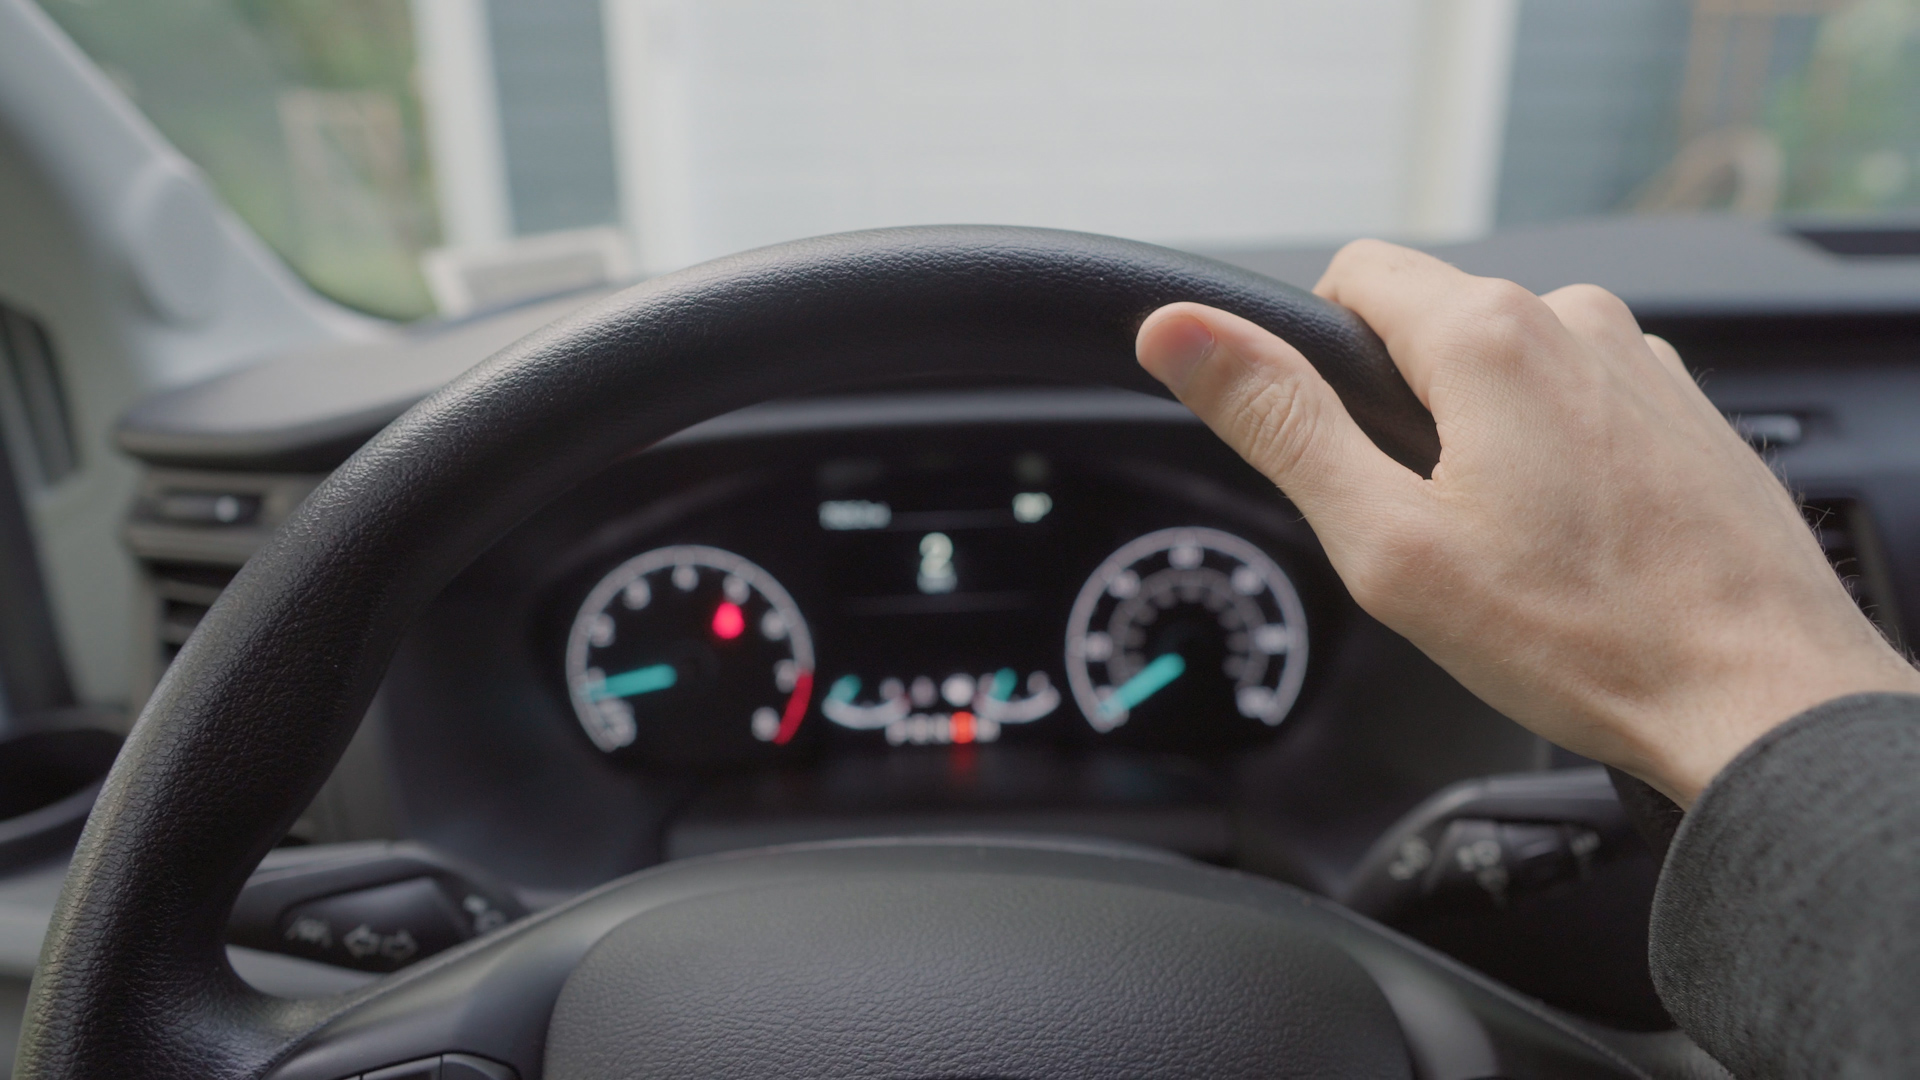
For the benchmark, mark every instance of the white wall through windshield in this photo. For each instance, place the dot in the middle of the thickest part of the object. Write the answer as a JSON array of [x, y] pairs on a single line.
[[450, 155]]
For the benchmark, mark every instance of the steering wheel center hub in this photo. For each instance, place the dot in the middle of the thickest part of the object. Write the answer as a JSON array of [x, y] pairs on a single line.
[[975, 969]]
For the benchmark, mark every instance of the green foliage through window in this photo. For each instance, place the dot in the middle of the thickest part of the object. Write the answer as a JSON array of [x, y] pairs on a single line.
[[1849, 121], [305, 116]]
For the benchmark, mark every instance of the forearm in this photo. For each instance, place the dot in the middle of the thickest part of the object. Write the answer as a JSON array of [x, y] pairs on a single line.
[[1786, 928]]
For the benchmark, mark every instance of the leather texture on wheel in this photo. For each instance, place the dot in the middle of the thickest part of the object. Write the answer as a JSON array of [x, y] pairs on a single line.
[[261, 702]]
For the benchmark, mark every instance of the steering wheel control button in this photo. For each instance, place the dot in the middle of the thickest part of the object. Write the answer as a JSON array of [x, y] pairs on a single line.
[[384, 928], [1479, 861], [1487, 843], [375, 907], [1479, 868]]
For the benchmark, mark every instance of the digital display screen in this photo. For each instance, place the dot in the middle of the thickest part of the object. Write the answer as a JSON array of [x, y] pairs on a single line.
[[946, 596]]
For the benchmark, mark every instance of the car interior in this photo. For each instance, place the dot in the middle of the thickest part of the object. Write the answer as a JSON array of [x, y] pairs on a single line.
[[836, 658]]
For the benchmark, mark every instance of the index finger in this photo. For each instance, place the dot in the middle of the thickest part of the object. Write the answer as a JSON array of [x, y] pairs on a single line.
[[1422, 307]]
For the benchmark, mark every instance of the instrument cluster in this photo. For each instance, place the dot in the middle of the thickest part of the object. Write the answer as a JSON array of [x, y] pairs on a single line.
[[940, 600]]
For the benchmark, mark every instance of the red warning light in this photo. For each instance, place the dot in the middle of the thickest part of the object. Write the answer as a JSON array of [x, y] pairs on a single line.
[[962, 727], [729, 621]]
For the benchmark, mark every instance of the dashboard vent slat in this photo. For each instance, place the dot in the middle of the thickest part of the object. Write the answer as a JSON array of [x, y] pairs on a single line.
[[184, 592]]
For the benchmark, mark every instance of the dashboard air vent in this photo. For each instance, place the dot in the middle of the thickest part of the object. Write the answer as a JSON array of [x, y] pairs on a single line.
[[191, 532], [184, 592]]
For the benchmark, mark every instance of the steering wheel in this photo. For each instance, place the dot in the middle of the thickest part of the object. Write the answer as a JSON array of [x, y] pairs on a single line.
[[946, 957]]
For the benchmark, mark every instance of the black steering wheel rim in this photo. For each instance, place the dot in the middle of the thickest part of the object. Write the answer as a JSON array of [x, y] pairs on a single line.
[[262, 701]]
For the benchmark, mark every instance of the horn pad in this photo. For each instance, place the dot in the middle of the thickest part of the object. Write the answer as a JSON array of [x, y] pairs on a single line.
[[968, 971]]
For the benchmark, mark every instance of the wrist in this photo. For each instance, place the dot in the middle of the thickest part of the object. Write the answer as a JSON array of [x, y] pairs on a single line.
[[1703, 740]]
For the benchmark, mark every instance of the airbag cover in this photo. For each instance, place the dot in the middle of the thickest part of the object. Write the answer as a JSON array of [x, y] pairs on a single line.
[[956, 974]]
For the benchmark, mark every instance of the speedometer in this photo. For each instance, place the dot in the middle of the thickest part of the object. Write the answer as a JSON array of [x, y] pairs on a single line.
[[689, 653], [1183, 626]]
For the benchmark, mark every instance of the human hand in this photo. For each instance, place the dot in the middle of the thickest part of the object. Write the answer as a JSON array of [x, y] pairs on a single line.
[[1598, 554]]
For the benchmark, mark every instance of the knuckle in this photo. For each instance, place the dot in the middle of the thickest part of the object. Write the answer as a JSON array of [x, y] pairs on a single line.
[[1595, 300], [1664, 350], [1500, 297], [1501, 320], [1590, 306], [1358, 248], [1355, 253]]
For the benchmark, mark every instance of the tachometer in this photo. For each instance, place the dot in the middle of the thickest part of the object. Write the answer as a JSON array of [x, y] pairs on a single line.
[[691, 652], [1183, 626]]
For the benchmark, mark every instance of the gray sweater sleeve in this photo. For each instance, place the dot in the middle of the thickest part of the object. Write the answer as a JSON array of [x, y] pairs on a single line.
[[1786, 926]]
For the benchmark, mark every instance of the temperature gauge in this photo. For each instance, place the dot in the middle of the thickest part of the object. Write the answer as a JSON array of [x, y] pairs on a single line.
[[1181, 627], [691, 653]]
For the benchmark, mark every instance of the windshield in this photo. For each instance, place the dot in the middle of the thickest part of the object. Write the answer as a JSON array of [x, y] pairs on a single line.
[[446, 155]]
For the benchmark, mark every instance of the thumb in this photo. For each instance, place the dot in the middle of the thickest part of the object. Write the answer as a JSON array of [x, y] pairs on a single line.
[[1267, 402]]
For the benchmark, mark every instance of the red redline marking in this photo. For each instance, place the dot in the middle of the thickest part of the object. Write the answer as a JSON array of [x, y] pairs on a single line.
[[796, 709]]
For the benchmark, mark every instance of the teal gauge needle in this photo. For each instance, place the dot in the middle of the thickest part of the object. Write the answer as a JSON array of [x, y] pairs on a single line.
[[638, 681], [1151, 680], [1003, 684]]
